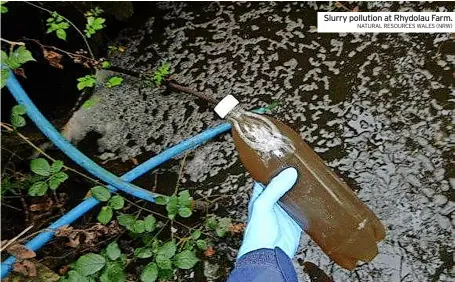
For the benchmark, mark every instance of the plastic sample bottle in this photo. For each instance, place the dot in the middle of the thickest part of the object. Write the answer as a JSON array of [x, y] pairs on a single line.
[[323, 205]]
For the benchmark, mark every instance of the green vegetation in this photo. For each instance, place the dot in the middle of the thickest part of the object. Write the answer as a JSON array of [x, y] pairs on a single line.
[[58, 24]]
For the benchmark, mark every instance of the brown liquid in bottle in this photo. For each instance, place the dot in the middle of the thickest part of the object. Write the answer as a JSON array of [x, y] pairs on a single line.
[[323, 205]]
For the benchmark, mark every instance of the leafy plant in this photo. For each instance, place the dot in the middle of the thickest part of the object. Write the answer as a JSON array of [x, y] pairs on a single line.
[[114, 81], [14, 60], [3, 9], [94, 22], [180, 204], [17, 119], [106, 64], [108, 266], [220, 225], [86, 81], [115, 202], [58, 24], [48, 176], [161, 73]]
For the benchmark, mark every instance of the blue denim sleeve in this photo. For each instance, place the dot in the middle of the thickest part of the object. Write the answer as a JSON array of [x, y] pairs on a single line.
[[264, 265]]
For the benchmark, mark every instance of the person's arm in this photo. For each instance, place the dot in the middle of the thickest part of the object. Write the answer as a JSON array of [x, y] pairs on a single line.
[[264, 265], [271, 237]]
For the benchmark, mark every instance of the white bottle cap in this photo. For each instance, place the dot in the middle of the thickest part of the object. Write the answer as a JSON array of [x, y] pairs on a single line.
[[226, 105]]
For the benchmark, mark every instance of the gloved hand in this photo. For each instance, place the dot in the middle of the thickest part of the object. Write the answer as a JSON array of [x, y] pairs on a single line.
[[269, 226]]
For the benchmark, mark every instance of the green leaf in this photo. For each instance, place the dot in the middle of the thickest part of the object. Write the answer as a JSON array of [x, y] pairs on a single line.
[[126, 220], [86, 81], [138, 226], [57, 179], [4, 58], [3, 9], [150, 273], [116, 202], [114, 272], [167, 250], [106, 64], [5, 76], [22, 55], [185, 260], [90, 264], [90, 102], [196, 234], [40, 166], [171, 206], [184, 198], [202, 244], [61, 33], [19, 110], [184, 212], [113, 251], [211, 223], [101, 193], [161, 200], [144, 252], [105, 215], [56, 166], [17, 121], [150, 223], [38, 189], [163, 262], [114, 81], [74, 276], [165, 274]]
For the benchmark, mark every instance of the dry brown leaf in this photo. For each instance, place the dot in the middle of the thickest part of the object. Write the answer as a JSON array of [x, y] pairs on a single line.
[[237, 228], [20, 72], [25, 267], [64, 231], [74, 241], [53, 58], [134, 160], [121, 49], [42, 206], [356, 9], [209, 252], [20, 251]]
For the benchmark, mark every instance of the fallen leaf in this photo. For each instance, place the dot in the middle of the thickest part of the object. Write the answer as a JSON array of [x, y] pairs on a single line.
[[20, 72], [53, 58], [20, 251], [42, 206], [122, 49], [25, 267], [64, 269], [134, 160], [209, 252], [73, 241], [237, 228], [356, 9]]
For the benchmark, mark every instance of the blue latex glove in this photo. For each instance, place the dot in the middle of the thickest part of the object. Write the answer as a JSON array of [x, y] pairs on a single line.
[[269, 226]]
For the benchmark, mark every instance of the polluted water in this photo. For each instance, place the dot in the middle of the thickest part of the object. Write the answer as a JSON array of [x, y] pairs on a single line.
[[323, 205]]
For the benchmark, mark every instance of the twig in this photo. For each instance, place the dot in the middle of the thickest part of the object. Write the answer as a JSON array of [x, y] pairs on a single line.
[[15, 238], [70, 54], [9, 206], [70, 22], [12, 42], [10, 129], [182, 165], [175, 86], [25, 207], [165, 217]]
